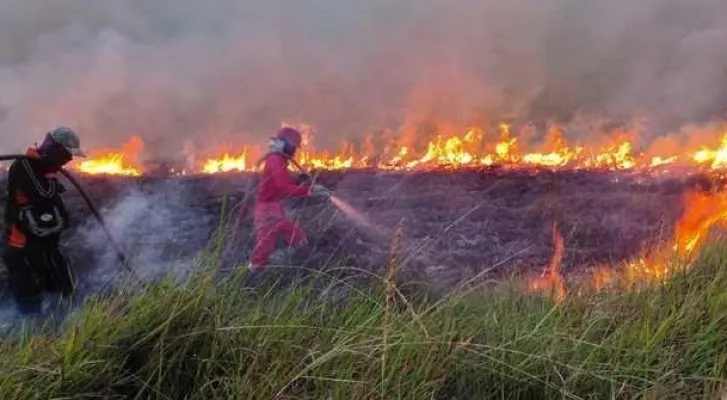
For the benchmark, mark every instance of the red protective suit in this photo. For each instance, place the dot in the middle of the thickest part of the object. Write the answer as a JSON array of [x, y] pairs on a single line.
[[269, 216]]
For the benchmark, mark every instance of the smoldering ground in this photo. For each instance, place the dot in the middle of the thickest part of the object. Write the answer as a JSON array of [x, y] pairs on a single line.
[[189, 75]]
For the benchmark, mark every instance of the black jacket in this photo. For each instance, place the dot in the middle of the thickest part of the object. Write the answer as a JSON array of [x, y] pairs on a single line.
[[29, 183]]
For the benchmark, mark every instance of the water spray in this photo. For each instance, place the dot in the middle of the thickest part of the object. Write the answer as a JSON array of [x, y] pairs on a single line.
[[346, 209], [354, 215]]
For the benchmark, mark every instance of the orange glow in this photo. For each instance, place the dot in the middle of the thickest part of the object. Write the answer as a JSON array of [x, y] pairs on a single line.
[[470, 149], [475, 148], [226, 163], [702, 212], [551, 280], [110, 162]]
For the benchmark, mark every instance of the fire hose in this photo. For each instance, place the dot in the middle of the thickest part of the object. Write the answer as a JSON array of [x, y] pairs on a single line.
[[119, 254]]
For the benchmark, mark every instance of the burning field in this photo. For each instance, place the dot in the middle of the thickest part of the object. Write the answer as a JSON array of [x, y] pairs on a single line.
[[494, 149], [542, 166], [598, 217]]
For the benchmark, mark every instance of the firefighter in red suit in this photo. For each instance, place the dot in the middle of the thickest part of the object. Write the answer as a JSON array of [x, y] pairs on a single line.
[[276, 185]]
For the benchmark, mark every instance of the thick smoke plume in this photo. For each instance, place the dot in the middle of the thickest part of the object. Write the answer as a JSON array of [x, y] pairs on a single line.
[[186, 74]]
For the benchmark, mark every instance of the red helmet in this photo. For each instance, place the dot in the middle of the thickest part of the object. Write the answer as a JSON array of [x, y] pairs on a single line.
[[290, 135]]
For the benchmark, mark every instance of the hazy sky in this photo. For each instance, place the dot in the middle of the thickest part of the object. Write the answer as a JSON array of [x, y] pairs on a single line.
[[222, 70]]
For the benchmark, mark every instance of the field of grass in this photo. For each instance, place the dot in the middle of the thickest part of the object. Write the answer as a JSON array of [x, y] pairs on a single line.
[[210, 340]]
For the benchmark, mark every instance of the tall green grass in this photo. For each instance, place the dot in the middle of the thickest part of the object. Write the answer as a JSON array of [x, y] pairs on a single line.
[[217, 340]]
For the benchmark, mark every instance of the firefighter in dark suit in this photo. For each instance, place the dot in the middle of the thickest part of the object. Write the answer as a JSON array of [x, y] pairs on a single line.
[[35, 217]]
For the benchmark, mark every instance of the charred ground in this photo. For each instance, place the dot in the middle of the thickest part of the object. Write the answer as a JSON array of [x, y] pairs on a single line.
[[454, 225]]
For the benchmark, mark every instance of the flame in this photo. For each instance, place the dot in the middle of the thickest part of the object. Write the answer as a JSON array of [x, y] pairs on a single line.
[[703, 211], [660, 161], [470, 149], [715, 158], [551, 279], [473, 149], [109, 162], [226, 163]]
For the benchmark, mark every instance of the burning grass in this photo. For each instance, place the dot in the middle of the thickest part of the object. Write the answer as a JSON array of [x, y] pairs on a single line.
[[475, 147], [219, 340]]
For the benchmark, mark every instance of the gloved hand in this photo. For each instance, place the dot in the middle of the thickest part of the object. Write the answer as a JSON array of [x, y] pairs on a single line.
[[320, 191]]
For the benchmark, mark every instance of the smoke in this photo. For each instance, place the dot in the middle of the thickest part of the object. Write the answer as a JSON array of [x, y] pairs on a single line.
[[185, 74], [153, 229]]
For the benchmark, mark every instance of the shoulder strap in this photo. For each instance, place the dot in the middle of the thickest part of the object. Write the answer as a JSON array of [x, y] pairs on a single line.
[[42, 191]]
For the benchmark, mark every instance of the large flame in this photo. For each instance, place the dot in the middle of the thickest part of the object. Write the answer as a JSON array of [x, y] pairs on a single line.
[[112, 162], [470, 149]]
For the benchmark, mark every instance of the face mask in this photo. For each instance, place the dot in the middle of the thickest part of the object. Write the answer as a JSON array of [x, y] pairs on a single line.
[[276, 146]]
